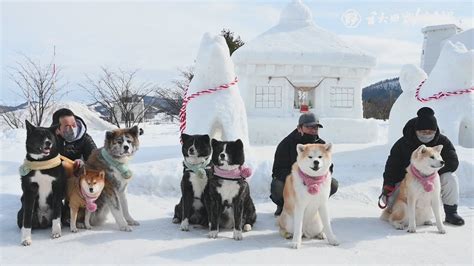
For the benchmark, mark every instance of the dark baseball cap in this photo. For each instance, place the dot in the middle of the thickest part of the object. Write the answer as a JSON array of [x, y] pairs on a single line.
[[309, 119]]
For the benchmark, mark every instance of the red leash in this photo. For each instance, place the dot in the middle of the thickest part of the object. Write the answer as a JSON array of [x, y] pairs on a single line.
[[440, 94]]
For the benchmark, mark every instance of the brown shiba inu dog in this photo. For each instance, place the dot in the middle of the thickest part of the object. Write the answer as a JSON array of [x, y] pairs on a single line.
[[419, 192], [306, 195], [82, 192]]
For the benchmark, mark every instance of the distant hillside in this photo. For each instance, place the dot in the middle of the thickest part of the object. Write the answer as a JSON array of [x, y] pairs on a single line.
[[6, 108], [378, 98]]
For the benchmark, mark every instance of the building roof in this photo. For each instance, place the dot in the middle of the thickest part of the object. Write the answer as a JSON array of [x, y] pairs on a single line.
[[297, 40]]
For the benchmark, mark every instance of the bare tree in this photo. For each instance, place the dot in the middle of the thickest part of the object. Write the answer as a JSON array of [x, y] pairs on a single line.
[[13, 119], [119, 94], [38, 86], [173, 97]]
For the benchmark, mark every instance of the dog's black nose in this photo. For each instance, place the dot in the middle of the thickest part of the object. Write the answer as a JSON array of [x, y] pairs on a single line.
[[191, 151], [47, 143], [125, 148], [316, 163], [91, 190], [442, 162], [222, 155]]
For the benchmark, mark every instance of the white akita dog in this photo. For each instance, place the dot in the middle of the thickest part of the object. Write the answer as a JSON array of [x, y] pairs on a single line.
[[306, 195], [419, 192]]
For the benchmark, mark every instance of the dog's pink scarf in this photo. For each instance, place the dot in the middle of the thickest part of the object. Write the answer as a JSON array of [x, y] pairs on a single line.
[[312, 182], [426, 181], [90, 201], [238, 173]]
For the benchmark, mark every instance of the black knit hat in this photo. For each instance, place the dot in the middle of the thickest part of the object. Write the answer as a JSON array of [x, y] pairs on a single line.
[[426, 119], [60, 113]]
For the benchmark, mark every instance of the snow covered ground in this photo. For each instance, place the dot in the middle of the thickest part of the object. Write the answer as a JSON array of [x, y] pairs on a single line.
[[155, 189]]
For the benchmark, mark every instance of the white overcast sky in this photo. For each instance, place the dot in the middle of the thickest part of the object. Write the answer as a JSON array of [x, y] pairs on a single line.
[[158, 37]]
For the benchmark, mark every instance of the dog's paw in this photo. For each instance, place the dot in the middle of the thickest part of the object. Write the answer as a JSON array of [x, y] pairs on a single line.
[[88, 226], [125, 228], [399, 226], [132, 222], [74, 230], [295, 245], [213, 234], [56, 235], [411, 229], [320, 236], [184, 225], [429, 222], [247, 228], [176, 220], [442, 231], [333, 242], [238, 235], [81, 225], [286, 235], [26, 242]]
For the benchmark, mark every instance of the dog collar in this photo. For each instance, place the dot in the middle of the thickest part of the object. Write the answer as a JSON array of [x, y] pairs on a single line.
[[426, 181], [121, 167], [199, 169], [29, 166], [90, 201], [313, 183], [236, 174]]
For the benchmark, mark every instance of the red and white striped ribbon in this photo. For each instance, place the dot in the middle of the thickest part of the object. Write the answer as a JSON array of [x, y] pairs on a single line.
[[182, 111], [440, 94]]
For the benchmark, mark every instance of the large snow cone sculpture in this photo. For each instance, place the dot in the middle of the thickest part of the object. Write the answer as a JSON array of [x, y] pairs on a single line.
[[213, 104], [449, 91]]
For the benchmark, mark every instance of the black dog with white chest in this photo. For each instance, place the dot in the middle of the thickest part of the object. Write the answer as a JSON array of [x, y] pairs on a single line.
[[228, 200], [43, 181], [197, 152]]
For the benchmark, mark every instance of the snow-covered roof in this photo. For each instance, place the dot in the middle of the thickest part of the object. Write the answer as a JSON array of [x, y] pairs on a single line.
[[440, 27], [466, 37], [297, 40]]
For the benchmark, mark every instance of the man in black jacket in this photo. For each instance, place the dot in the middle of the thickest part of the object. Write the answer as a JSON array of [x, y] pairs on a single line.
[[73, 140], [285, 156], [423, 129]]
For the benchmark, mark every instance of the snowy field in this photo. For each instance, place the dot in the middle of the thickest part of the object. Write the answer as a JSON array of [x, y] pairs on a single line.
[[155, 189]]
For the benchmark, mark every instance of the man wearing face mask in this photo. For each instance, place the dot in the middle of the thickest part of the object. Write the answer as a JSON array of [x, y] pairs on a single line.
[[285, 156], [423, 129], [73, 140]]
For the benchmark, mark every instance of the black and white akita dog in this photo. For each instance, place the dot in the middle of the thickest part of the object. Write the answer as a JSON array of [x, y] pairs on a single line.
[[228, 200], [197, 153], [43, 181]]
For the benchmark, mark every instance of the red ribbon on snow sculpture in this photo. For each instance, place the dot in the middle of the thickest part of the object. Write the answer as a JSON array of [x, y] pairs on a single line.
[[186, 99], [440, 94]]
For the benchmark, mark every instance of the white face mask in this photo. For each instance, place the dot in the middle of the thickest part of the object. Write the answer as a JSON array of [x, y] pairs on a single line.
[[70, 135], [425, 138]]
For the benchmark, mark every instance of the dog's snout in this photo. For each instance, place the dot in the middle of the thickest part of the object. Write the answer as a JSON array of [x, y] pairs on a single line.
[[191, 151], [91, 189], [316, 163], [47, 143], [441, 162], [222, 156], [125, 148]]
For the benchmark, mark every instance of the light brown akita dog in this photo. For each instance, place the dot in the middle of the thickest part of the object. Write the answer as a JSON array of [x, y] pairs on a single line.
[[306, 195], [419, 192]]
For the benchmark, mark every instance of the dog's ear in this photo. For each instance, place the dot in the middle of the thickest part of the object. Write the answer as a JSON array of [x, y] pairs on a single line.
[[438, 148], [54, 129], [214, 143], [102, 174], [328, 146], [421, 149], [29, 126], [239, 144], [80, 171], [134, 131], [185, 137], [109, 135], [299, 148]]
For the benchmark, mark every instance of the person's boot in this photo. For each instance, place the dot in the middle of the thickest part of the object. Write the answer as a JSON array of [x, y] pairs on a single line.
[[278, 210], [452, 216]]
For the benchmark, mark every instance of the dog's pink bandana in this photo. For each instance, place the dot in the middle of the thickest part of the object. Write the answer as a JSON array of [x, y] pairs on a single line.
[[426, 181], [238, 173], [312, 182], [90, 201]]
